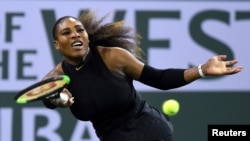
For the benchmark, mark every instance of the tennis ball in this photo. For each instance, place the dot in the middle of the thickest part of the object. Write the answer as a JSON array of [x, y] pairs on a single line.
[[170, 107]]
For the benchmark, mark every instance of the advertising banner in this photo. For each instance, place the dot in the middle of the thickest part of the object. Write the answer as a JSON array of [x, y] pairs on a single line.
[[176, 34]]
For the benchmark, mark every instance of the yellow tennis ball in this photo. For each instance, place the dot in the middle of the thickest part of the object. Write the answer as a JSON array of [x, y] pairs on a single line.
[[170, 107]]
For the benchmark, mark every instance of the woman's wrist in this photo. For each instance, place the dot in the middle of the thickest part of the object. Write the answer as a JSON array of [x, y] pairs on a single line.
[[200, 71]]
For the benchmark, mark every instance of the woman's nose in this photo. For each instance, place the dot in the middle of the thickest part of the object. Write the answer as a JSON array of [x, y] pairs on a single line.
[[75, 34]]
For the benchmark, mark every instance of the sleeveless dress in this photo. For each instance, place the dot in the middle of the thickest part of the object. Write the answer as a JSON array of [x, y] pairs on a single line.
[[111, 103]]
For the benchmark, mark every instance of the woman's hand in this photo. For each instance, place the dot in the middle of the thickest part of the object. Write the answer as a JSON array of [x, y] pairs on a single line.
[[217, 66], [63, 104]]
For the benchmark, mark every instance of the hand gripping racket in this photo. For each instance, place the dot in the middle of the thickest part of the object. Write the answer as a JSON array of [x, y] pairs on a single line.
[[46, 88]]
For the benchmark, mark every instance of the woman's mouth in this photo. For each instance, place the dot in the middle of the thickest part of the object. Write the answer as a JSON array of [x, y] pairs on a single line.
[[77, 45]]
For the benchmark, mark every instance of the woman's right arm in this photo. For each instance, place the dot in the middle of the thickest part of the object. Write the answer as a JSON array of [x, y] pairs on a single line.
[[57, 70]]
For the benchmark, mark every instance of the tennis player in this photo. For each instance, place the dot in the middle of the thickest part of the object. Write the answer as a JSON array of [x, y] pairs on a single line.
[[102, 61]]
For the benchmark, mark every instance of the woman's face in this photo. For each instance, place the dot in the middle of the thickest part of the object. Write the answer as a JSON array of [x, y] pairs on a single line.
[[72, 39]]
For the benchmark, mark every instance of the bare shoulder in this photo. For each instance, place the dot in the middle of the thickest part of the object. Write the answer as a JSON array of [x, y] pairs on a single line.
[[111, 50], [121, 61], [114, 54]]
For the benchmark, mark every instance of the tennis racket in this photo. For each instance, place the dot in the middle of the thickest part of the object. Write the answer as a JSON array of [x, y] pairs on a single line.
[[48, 88]]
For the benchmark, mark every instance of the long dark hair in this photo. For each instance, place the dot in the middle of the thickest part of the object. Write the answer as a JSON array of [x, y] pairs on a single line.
[[113, 34]]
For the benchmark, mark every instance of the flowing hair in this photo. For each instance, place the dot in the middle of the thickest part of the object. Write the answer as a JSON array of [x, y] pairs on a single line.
[[113, 34]]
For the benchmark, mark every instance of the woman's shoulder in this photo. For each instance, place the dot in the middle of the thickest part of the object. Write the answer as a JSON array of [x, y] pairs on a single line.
[[111, 51], [114, 54], [113, 57]]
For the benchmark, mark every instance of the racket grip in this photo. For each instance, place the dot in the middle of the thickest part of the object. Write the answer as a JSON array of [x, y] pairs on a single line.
[[63, 97], [54, 95]]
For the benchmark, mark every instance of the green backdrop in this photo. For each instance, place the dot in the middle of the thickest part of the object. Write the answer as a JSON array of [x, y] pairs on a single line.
[[197, 111]]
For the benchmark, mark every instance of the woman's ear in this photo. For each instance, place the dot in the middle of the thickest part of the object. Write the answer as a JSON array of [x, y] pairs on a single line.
[[56, 44]]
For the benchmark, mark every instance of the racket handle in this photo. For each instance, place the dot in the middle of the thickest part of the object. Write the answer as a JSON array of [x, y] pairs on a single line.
[[63, 97], [52, 96]]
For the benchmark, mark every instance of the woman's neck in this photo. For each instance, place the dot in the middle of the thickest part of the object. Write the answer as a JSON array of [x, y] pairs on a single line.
[[77, 61]]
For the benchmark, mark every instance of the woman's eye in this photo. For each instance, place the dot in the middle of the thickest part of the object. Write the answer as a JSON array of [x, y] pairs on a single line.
[[65, 33], [80, 30]]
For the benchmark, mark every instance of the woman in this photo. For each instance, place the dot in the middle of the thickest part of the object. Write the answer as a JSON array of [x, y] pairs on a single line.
[[102, 61]]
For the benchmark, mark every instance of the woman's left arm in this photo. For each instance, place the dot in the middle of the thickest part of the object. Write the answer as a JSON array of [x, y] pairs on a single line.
[[215, 66], [172, 77]]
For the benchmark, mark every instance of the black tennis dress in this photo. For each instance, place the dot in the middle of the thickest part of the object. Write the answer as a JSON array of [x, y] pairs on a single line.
[[111, 103]]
